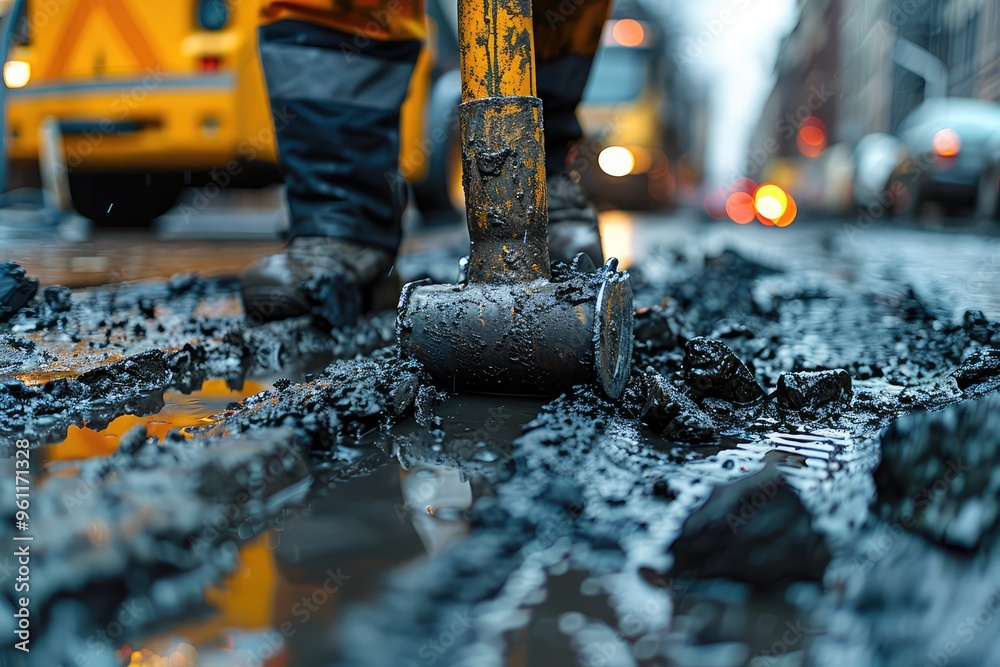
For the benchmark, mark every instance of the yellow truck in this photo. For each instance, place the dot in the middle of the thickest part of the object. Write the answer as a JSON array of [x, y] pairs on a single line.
[[141, 99]]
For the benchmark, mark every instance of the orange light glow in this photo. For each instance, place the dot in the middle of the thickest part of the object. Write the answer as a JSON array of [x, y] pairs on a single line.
[[764, 221], [181, 410], [947, 143], [813, 121], [629, 32], [788, 217], [811, 141], [770, 201], [618, 236], [811, 138], [739, 206], [184, 656]]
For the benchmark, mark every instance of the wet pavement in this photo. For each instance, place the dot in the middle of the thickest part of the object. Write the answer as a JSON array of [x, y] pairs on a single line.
[[802, 470]]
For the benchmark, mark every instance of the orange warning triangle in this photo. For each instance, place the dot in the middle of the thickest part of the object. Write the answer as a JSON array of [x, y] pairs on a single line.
[[83, 12]]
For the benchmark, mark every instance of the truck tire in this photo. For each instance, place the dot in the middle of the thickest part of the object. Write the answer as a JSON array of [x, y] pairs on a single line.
[[124, 199]]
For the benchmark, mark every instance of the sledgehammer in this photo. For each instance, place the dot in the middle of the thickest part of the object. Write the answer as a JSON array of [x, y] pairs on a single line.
[[516, 324]]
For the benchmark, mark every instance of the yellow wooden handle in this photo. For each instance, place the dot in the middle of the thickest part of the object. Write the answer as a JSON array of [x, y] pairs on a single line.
[[496, 45]]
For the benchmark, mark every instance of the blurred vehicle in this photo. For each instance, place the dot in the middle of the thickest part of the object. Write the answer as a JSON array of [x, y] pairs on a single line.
[[437, 183], [947, 140], [624, 161], [624, 114], [988, 203], [135, 100], [874, 160], [138, 99], [124, 103]]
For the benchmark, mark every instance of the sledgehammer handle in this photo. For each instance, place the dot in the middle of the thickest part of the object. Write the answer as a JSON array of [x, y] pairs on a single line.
[[503, 156], [496, 43]]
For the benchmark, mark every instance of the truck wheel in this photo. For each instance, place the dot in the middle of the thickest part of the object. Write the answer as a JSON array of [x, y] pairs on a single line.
[[124, 199]]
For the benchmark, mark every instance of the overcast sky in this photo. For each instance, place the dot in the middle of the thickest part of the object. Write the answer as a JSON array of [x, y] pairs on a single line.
[[732, 46]]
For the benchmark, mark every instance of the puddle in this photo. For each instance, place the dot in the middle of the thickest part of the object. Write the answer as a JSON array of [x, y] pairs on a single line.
[[41, 377], [295, 581], [180, 411], [414, 505], [815, 454]]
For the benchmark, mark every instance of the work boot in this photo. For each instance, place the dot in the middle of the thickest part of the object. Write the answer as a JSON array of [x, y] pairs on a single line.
[[572, 220], [315, 275]]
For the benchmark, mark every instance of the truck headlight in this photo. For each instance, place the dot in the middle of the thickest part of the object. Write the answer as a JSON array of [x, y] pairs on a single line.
[[616, 161], [16, 73]]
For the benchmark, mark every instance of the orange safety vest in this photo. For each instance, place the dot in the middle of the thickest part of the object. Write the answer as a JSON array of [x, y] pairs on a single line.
[[381, 20]]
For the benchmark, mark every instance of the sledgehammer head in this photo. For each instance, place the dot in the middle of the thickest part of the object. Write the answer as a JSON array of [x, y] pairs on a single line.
[[536, 337]]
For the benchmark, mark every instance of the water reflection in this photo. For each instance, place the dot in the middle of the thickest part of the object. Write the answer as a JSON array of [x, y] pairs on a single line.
[[618, 236], [437, 499], [408, 502], [179, 411]]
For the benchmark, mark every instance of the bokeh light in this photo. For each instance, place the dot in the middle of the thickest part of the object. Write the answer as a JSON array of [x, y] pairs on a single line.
[[740, 208], [616, 161], [743, 184], [16, 73], [618, 236], [788, 217], [629, 32], [770, 201], [811, 138], [947, 143], [765, 221]]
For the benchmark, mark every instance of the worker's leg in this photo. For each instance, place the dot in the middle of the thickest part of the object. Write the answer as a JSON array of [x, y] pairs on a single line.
[[567, 35], [337, 72], [339, 77]]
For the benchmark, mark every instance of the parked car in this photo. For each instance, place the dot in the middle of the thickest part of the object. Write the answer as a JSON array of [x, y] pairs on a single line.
[[947, 140], [874, 160]]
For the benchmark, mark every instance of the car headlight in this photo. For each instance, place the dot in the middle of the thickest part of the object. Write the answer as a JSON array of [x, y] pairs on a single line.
[[16, 73], [946, 143], [213, 14], [616, 161]]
